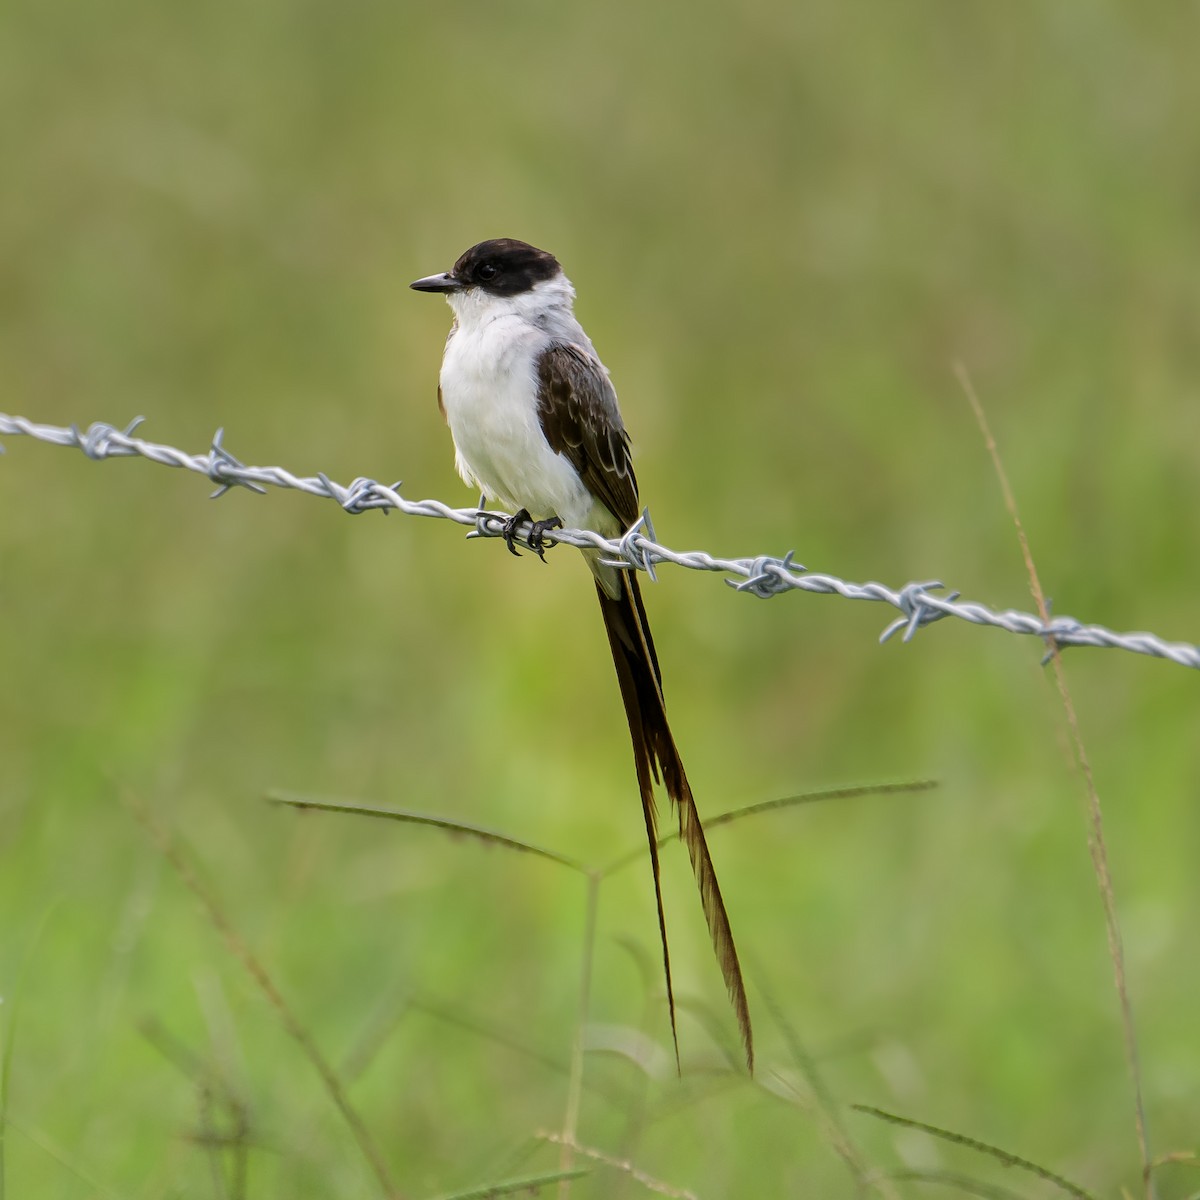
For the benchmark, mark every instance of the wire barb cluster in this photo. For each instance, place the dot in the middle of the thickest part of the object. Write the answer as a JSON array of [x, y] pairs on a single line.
[[919, 604]]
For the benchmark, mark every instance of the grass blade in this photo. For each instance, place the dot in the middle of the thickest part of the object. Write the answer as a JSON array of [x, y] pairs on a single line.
[[1097, 846], [961, 1139], [764, 806], [529, 1185], [491, 837], [291, 1023]]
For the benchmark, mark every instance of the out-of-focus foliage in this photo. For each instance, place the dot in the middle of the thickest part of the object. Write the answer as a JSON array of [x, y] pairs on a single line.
[[787, 223]]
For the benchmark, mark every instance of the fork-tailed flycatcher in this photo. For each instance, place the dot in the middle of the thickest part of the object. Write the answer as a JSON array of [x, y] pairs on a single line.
[[537, 429]]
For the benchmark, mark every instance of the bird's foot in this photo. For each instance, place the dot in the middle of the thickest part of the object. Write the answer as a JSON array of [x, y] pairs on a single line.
[[509, 530], [537, 535]]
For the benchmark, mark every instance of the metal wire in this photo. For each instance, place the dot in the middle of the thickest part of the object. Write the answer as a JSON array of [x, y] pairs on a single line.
[[763, 576]]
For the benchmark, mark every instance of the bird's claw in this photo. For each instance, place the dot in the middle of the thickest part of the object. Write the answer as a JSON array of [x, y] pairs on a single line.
[[537, 532], [509, 530], [537, 535]]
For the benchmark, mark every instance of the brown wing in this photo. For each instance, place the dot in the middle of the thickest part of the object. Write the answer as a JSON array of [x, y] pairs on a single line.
[[577, 407]]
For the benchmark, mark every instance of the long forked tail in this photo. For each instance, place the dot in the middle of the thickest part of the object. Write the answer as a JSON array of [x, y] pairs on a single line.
[[656, 756]]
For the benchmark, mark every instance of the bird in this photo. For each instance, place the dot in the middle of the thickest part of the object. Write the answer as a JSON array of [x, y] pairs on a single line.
[[537, 430]]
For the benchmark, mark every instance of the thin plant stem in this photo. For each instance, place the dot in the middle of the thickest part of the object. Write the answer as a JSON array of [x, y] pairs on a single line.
[[1096, 842], [961, 1139], [575, 1083], [291, 1023]]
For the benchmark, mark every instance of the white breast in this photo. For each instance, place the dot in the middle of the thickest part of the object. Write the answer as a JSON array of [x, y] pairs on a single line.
[[489, 392]]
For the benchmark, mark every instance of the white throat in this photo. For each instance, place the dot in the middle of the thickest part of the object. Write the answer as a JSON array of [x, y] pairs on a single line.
[[548, 305]]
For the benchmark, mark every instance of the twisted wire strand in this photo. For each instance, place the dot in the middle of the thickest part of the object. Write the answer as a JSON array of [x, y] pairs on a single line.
[[919, 603]]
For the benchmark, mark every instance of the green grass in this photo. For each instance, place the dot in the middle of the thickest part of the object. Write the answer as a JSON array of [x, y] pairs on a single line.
[[787, 223]]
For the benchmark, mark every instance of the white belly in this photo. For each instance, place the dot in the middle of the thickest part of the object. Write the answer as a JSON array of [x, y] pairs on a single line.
[[489, 393]]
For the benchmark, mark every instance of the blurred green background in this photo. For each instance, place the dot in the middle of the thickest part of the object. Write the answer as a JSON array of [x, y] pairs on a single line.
[[787, 223]]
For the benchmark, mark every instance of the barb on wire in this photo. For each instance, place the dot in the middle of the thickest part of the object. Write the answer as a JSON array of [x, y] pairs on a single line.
[[763, 576]]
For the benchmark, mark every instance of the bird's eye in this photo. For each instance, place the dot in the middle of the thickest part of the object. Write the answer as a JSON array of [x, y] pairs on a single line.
[[486, 271]]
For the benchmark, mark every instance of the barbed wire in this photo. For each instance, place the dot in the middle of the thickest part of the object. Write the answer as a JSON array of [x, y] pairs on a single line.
[[763, 575]]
